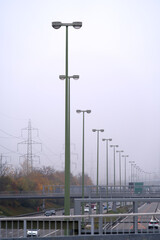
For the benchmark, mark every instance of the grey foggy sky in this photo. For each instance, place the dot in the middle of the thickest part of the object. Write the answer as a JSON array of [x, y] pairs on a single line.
[[117, 55]]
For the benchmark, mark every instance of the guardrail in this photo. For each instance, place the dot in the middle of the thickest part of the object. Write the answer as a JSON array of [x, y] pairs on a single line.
[[79, 225]]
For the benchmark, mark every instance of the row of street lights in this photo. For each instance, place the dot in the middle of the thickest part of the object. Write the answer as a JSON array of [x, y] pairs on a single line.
[[114, 161], [66, 77], [135, 172]]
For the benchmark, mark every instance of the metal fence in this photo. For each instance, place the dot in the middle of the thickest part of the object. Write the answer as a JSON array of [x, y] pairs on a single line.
[[79, 225]]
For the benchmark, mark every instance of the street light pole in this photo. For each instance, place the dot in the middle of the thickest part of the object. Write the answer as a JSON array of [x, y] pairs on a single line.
[[57, 25], [133, 172], [137, 173], [107, 140], [120, 151], [97, 130], [114, 156], [125, 172], [83, 111], [131, 162]]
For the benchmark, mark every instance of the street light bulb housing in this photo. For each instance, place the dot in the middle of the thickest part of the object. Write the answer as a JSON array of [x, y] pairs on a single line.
[[75, 77], [102, 130], [93, 130], [56, 25], [77, 25], [110, 139], [78, 111], [88, 111], [62, 77]]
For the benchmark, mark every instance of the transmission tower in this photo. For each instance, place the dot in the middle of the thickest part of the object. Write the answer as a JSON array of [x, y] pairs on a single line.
[[29, 156]]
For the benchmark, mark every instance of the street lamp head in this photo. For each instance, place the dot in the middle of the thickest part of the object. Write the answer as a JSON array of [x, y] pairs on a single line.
[[56, 25], [88, 111], [98, 130], [105, 139], [78, 111], [62, 77], [77, 25], [75, 77], [131, 162]]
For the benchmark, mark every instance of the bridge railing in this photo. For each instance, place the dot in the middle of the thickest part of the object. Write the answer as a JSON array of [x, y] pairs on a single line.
[[89, 191], [80, 225]]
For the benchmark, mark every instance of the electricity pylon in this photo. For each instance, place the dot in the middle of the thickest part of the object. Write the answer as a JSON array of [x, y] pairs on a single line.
[[29, 157]]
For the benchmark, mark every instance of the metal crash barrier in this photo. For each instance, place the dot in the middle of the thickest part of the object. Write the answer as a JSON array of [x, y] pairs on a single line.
[[80, 225]]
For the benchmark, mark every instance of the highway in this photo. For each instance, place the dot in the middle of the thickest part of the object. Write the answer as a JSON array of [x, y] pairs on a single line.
[[127, 223], [19, 233]]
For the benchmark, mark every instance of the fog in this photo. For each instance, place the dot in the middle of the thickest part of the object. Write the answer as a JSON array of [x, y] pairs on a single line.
[[117, 55]]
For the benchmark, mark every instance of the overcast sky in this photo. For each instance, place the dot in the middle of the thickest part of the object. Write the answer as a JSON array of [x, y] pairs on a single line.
[[117, 55]]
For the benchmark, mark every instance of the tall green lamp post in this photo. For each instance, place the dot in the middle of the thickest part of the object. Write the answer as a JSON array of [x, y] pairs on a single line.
[[107, 170], [76, 25], [83, 111], [125, 170], [114, 161], [97, 130], [107, 141], [120, 151], [132, 163]]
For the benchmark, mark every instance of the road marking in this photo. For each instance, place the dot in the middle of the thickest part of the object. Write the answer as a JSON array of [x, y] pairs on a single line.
[[51, 233], [115, 225]]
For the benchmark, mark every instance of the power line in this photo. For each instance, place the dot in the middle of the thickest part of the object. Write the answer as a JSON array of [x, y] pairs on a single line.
[[9, 149], [10, 134]]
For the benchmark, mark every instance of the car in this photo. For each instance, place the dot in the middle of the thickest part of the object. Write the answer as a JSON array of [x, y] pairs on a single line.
[[32, 233], [105, 208], [109, 207], [86, 209], [154, 223], [50, 213], [95, 207]]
